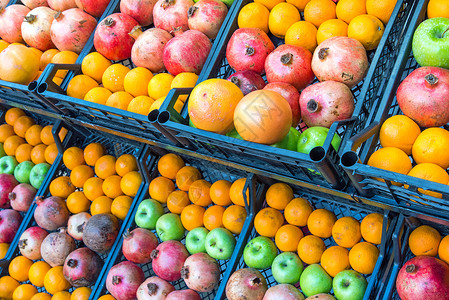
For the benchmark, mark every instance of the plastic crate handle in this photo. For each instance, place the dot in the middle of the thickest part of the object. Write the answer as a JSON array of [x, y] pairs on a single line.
[[167, 110], [47, 83]]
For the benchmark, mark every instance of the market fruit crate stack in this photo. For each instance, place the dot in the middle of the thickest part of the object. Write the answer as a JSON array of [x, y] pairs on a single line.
[[83, 204], [248, 144], [209, 226]]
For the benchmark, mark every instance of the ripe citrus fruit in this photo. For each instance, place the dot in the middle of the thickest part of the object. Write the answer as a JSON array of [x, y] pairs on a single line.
[[93, 152], [424, 240], [24, 292], [367, 29], [77, 202], [176, 201], [169, 164], [81, 293], [254, 15], [199, 193], [391, 159], [98, 95], [140, 105], [363, 257], [114, 77], [5, 132], [184, 80], [120, 100], [37, 272], [382, 9], [106, 297], [431, 172], [269, 4], [371, 228], [320, 222], [160, 85], [64, 57], [431, 147], [192, 216], [268, 221], [92, 188], [7, 287], [160, 188], [61, 187], [101, 205], [318, 11], [299, 4], [111, 186], [80, 85], [105, 166], [346, 232], [72, 157], [47, 136], [130, 183], [236, 192], [12, 143], [23, 152], [186, 176], [302, 34], [54, 281], [50, 153], [438, 8], [349, 9], [19, 267], [33, 135], [62, 295], [279, 195], [331, 28], [3, 249], [94, 65], [80, 174], [38, 154], [120, 206], [46, 58], [281, 17], [234, 217], [219, 192], [13, 114], [443, 249], [335, 259], [136, 81], [213, 217], [22, 124], [310, 249], [399, 131], [41, 296], [287, 238]]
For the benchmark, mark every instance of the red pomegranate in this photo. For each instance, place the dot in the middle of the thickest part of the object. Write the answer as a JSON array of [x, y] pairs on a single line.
[[291, 94], [31, 4], [140, 10], [11, 19], [186, 52], [9, 224], [148, 48], [290, 64], [30, 242], [207, 16], [36, 28], [51, 213], [75, 225], [93, 7], [82, 267], [246, 283], [7, 184], [248, 81], [183, 295], [154, 288], [168, 259], [171, 15], [201, 272], [248, 48], [56, 247], [285, 292], [124, 279], [325, 102], [71, 29], [422, 96], [112, 37], [138, 245], [341, 59], [423, 278], [61, 5], [100, 232], [22, 196]]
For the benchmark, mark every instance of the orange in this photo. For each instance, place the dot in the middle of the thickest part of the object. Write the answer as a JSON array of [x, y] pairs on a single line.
[[93, 152], [114, 77], [46, 58], [431, 146], [320, 222], [37, 52], [64, 57], [111, 186], [92, 188], [399, 131], [335, 259], [219, 192], [346, 232], [424, 240], [236, 192], [37, 272], [24, 292], [94, 65], [130, 183], [169, 164], [7, 287], [234, 217], [54, 281], [80, 174], [382, 9], [3, 249], [19, 267], [287, 238], [349, 9], [371, 228], [5, 132], [269, 4], [120, 100], [281, 17], [331, 28], [279, 195], [47, 136], [443, 249], [176, 201], [120, 206], [77, 202], [101, 205], [106, 297], [299, 4], [136, 81], [80, 85], [22, 124], [105, 166], [192, 216], [199, 193], [160, 187], [23, 152], [13, 114], [310, 249], [61, 187], [38, 154], [126, 163], [160, 85], [41, 296], [98, 95], [3, 45], [50, 153], [33, 135], [268, 221], [363, 257], [12, 143], [213, 217], [81, 293], [391, 159], [302, 34], [253, 15], [62, 295], [318, 11], [184, 80], [438, 8], [431, 172], [140, 105], [186, 176], [72, 157], [367, 29]]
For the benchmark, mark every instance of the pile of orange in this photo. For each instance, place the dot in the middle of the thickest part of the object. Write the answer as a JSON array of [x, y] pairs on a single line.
[[426, 240]]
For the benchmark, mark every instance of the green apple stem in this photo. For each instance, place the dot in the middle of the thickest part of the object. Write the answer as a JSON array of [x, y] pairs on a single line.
[[447, 29]]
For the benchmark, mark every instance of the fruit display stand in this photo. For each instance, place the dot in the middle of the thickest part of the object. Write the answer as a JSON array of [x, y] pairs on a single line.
[[280, 161], [211, 172]]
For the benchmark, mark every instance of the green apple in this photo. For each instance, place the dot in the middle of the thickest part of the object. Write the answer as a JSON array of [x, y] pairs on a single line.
[[287, 268], [148, 212], [290, 142], [196, 240], [220, 243], [2, 151], [8, 164], [233, 133], [22, 171], [315, 136], [169, 227], [38, 173], [228, 2], [349, 285], [314, 280], [259, 253]]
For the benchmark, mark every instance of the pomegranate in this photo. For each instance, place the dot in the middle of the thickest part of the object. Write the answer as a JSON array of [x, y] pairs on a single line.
[[183, 295], [201, 272], [9, 224], [22, 196], [138, 245], [207, 16], [168, 259], [7, 184], [291, 94], [100, 232], [171, 15], [248, 48], [11, 19], [32, 4], [422, 96], [341, 59], [82, 267], [148, 48], [36, 28], [93, 7], [140, 10], [51, 213], [247, 81], [154, 288], [112, 37], [283, 291], [186, 52], [71, 29], [246, 283], [325, 102], [30, 242], [423, 277], [56, 246], [124, 279], [76, 223], [61, 5], [290, 64]]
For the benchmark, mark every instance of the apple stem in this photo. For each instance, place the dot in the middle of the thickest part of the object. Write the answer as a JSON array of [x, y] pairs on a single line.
[[447, 29]]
